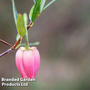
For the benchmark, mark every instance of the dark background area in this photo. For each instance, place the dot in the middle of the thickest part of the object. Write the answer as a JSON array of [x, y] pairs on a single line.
[[63, 30]]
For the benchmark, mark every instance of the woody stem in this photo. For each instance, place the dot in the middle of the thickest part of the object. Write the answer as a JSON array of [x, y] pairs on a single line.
[[14, 46]]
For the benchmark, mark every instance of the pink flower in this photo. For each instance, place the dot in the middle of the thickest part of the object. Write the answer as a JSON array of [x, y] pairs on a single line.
[[28, 62]]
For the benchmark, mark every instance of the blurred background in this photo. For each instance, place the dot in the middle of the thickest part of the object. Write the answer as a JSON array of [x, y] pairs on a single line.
[[63, 30]]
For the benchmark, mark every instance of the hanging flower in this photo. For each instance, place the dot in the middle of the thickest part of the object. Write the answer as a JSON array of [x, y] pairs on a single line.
[[28, 62]]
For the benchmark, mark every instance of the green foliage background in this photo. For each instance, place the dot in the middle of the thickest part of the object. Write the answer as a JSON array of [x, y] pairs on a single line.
[[63, 30]]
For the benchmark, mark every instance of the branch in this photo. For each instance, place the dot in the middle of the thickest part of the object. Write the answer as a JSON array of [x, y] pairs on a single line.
[[5, 42], [14, 46], [5, 52]]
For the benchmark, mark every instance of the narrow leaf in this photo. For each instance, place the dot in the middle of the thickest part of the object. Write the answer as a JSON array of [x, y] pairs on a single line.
[[25, 19], [48, 4], [20, 25], [31, 44], [14, 12], [34, 1], [42, 5], [36, 43], [34, 12], [31, 12]]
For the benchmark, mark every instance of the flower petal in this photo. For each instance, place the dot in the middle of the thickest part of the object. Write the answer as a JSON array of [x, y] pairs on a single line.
[[28, 61], [36, 61], [19, 63]]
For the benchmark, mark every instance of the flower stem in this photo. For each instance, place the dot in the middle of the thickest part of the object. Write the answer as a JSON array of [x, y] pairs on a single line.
[[27, 43]]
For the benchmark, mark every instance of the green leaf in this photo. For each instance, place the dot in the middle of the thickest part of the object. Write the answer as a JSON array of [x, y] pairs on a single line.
[[42, 5], [37, 9], [25, 19], [31, 44], [14, 12], [34, 1], [20, 25], [34, 12], [48, 4], [31, 12], [36, 43]]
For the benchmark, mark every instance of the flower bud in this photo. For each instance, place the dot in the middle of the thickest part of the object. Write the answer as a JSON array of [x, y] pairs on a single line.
[[28, 62]]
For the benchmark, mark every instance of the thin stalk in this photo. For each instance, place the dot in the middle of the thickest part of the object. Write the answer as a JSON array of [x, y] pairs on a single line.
[[5, 42], [27, 43], [4, 53]]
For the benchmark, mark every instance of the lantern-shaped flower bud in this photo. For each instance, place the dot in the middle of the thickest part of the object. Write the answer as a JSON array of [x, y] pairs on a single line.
[[28, 62]]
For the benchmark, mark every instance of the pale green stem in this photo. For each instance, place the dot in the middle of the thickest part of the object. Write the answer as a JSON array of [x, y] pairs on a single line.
[[27, 41]]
